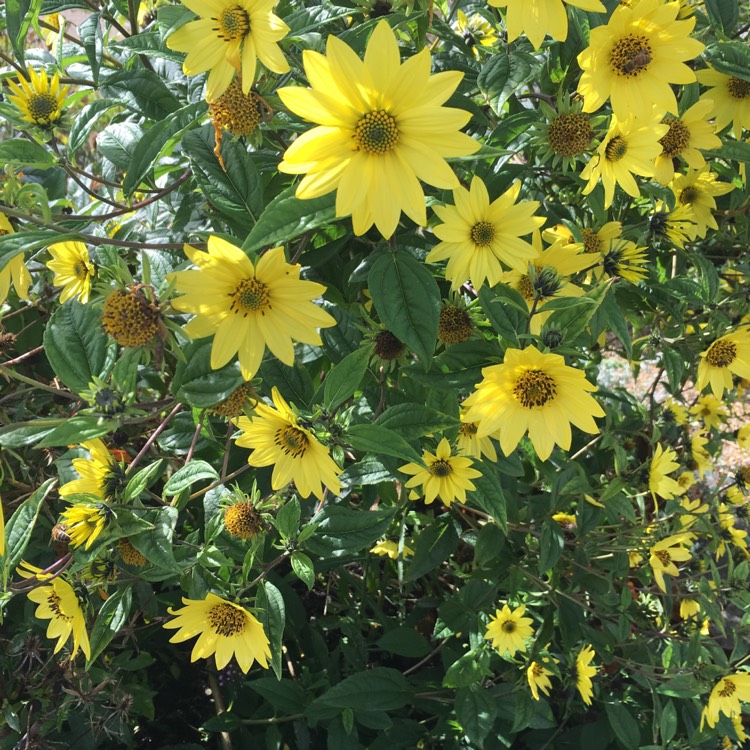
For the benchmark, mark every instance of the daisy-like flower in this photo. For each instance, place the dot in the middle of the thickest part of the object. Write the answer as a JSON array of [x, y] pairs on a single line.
[[479, 237], [39, 98], [468, 444], [593, 242], [659, 483], [678, 227], [538, 677], [630, 147], [444, 476], [583, 674], [687, 133], [676, 411], [689, 509], [387, 548], [699, 454], [382, 128], [15, 270], [635, 56], [101, 475], [84, 523], [730, 534], [696, 191], [626, 261], [730, 100], [743, 437], [535, 393], [224, 629], [689, 609], [537, 18], [277, 439], [73, 270], [59, 604], [709, 409], [664, 554], [727, 697], [475, 30], [727, 356], [565, 520], [230, 36], [248, 307], [509, 630], [566, 133]]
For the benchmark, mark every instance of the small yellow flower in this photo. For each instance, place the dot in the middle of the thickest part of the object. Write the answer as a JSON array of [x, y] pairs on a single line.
[[700, 454], [468, 444], [538, 677], [710, 409], [728, 355], [39, 99], [730, 100], [664, 554], [474, 30], [695, 191], [689, 609], [583, 674], [565, 520], [73, 270], [692, 509], [84, 523], [15, 270], [743, 437], [678, 412], [509, 630], [389, 548], [726, 698], [100, 475]]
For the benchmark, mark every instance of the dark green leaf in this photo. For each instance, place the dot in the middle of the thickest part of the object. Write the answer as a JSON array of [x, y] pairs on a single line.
[[78, 429], [435, 543], [111, 619], [84, 121], [468, 669], [404, 641], [117, 142], [17, 21], [156, 545], [730, 58], [197, 384], [476, 710], [489, 495], [624, 725], [273, 618], [345, 378], [343, 531], [413, 421], [20, 152], [188, 475], [90, 33], [287, 518], [303, 568], [377, 689], [143, 91], [550, 545], [372, 438], [723, 14]]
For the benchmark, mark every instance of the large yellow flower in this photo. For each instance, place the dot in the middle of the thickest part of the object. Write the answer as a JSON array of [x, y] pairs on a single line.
[[230, 36], [630, 146], [478, 237], [730, 100], [508, 631], [539, 679], [659, 482], [101, 475], [15, 270], [664, 554], [695, 191], [84, 523], [533, 392], [635, 57], [249, 307], [73, 270], [727, 697], [583, 674], [276, 438], [59, 604], [225, 629], [39, 98], [382, 128], [728, 355], [537, 18]]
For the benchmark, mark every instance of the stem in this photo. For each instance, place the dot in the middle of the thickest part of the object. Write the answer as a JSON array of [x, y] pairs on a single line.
[[154, 435], [194, 441], [30, 381], [27, 355], [234, 474], [213, 683]]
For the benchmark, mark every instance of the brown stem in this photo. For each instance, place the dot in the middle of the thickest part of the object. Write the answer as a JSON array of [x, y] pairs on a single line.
[[153, 436]]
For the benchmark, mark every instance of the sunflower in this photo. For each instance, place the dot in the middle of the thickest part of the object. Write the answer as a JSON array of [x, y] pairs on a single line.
[[659, 482], [468, 444], [664, 554], [225, 629], [635, 56], [15, 269], [695, 191], [678, 226], [73, 270], [538, 677], [727, 697], [84, 523], [508, 631], [230, 36], [101, 475], [533, 392], [743, 437], [626, 261], [730, 100], [675, 411], [700, 455], [630, 147], [59, 604], [593, 241], [381, 129], [710, 409], [444, 476], [276, 438], [583, 674], [479, 238], [537, 18], [565, 134], [475, 30], [386, 548], [728, 355], [39, 98], [248, 307]]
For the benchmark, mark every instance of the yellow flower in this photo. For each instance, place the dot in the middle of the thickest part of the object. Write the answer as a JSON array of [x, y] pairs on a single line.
[[535, 393], [726, 698], [728, 355], [689, 608], [743, 437], [391, 550], [678, 226], [276, 438], [691, 507], [664, 554], [729, 533], [538, 677], [583, 674], [382, 128], [474, 30], [696, 191], [699, 454], [730, 100], [39, 99], [630, 147], [565, 520], [626, 261], [677, 411], [225, 629], [444, 476], [508, 631], [710, 410], [594, 242], [100, 475], [662, 464], [634, 59], [479, 238], [73, 270], [248, 307], [468, 444], [537, 18], [59, 604], [84, 523], [15, 270], [230, 36]]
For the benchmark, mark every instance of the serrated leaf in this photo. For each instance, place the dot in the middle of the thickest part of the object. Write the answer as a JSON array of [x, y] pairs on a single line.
[[78, 429], [111, 618], [20, 152], [118, 141], [143, 91], [489, 495], [413, 421], [90, 33], [376, 689], [345, 378], [467, 670], [84, 122], [435, 543], [142, 480], [273, 618], [476, 710], [372, 438], [344, 531], [730, 58], [188, 475], [197, 384]]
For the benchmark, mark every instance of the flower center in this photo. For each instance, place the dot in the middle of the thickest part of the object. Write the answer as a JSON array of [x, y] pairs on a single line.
[[53, 601], [616, 148], [80, 271], [535, 388], [570, 134], [234, 23], [721, 353], [454, 325], [525, 287], [292, 441], [376, 132], [226, 620], [243, 520], [441, 468], [689, 195], [469, 429], [630, 55], [676, 139], [388, 346], [236, 112], [727, 689], [663, 557], [508, 626], [250, 296], [738, 88], [482, 233], [591, 241], [42, 107], [536, 670]]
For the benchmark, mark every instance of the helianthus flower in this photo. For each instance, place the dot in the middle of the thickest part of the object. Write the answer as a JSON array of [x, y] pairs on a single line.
[[676, 411], [538, 677], [692, 509], [727, 356], [565, 521], [699, 454], [474, 30], [468, 444], [689, 609], [635, 56], [248, 307], [565, 134], [225, 629], [59, 604], [73, 270], [39, 98], [659, 483], [276, 438], [101, 475], [626, 261], [710, 409], [508, 631], [230, 36], [537, 18], [478, 237], [444, 476], [678, 226], [630, 147], [594, 242], [390, 549], [687, 133], [727, 697], [84, 523], [15, 269], [743, 437], [696, 191], [730, 100], [664, 554], [533, 392], [729, 534], [583, 674], [382, 127]]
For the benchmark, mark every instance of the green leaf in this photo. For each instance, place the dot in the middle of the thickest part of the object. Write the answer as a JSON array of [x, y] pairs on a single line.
[[188, 475], [273, 618], [550, 545], [343, 531], [503, 75], [303, 568], [489, 495], [476, 711], [723, 15], [668, 722], [624, 725], [468, 669], [28, 241], [407, 299], [90, 33], [77, 430], [287, 518], [142, 480], [413, 421], [84, 122], [435, 543], [504, 316], [197, 384], [572, 314], [156, 544], [117, 142], [17, 21], [111, 619], [730, 58], [345, 378], [376, 689], [142, 91], [732, 151], [404, 641], [372, 438], [150, 43], [75, 344], [287, 696], [20, 152]]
